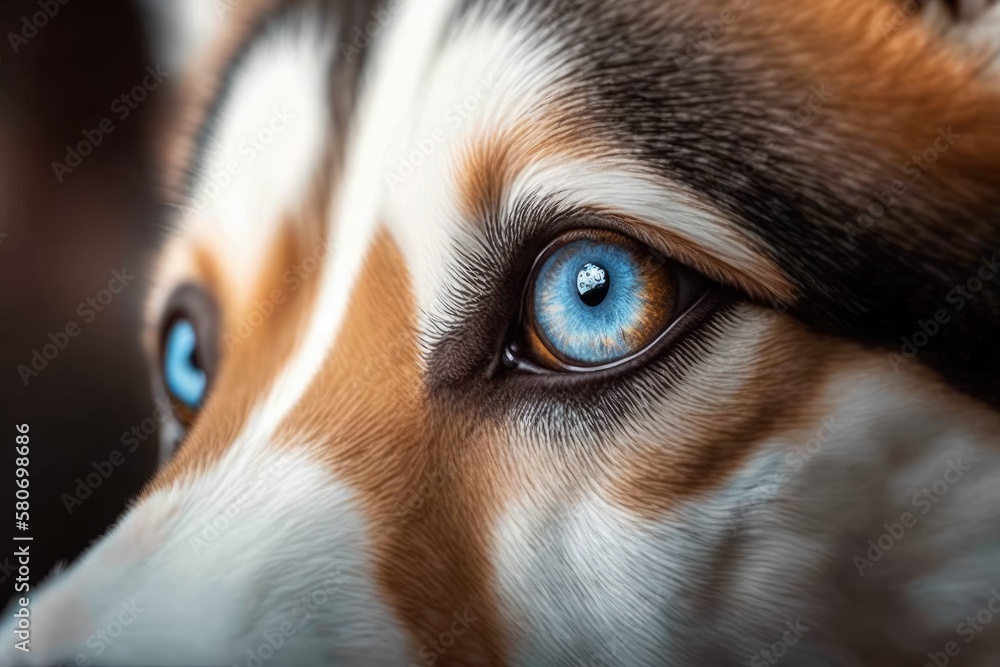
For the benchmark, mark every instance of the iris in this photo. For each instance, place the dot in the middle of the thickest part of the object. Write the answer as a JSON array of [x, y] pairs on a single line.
[[184, 378], [599, 298]]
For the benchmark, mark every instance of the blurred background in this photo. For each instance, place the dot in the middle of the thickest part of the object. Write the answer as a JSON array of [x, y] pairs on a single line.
[[66, 224]]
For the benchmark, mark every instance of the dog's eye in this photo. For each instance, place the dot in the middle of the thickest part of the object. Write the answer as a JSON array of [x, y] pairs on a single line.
[[183, 373], [596, 298], [188, 350]]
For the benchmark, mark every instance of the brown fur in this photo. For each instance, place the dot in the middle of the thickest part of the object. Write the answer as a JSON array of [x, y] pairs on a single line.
[[383, 436], [431, 475], [782, 397], [248, 365]]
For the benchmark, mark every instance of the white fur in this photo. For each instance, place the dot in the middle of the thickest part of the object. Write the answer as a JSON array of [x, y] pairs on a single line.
[[272, 130], [620, 187], [580, 580], [505, 77], [719, 576], [508, 80], [977, 30], [356, 208], [284, 530], [181, 29]]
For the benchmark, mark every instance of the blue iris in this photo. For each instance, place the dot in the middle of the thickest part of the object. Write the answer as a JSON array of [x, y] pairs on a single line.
[[590, 301], [184, 379]]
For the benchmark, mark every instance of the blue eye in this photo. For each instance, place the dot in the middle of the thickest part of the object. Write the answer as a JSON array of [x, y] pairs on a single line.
[[185, 379], [598, 298]]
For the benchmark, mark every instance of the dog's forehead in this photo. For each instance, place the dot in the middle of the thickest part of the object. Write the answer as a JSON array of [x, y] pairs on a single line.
[[471, 125], [833, 165], [693, 117], [689, 120]]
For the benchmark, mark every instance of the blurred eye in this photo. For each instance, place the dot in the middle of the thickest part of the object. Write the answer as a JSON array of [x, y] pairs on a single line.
[[597, 298], [188, 350], [182, 370]]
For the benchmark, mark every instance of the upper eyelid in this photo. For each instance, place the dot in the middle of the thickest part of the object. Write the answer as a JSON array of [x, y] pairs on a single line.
[[662, 214], [553, 223], [762, 286]]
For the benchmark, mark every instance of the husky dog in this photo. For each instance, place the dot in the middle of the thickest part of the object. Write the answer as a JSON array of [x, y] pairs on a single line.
[[412, 427]]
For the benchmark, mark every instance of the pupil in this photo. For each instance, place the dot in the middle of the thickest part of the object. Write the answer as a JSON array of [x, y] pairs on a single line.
[[195, 358], [592, 282]]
